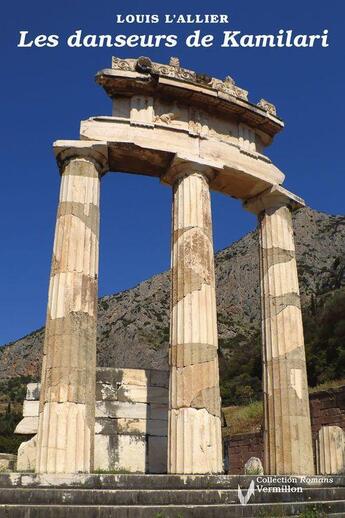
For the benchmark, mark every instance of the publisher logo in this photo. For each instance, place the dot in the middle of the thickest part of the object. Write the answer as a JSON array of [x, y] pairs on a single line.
[[244, 499], [279, 484]]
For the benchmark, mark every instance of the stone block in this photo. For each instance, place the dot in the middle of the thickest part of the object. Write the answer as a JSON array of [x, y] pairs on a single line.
[[144, 394], [327, 406], [131, 406], [157, 411], [121, 409], [119, 377], [253, 466], [106, 392], [157, 427], [30, 408], [122, 426], [109, 375], [340, 399], [330, 450], [158, 395], [28, 425], [131, 393], [159, 378], [33, 391], [157, 454], [27, 452], [120, 453]]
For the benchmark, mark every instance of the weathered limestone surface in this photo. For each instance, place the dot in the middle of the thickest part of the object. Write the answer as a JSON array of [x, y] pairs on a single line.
[[67, 409], [33, 391], [120, 452], [27, 453], [330, 450], [287, 432], [28, 425], [131, 422], [194, 438], [30, 408], [253, 466]]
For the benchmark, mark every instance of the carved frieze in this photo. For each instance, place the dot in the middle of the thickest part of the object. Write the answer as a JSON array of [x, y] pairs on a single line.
[[174, 70], [166, 118], [241, 94], [141, 111], [198, 125], [122, 64], [246, 138], [227, 86], [268, 107], [174, 62], [167, 113], [142, 65]]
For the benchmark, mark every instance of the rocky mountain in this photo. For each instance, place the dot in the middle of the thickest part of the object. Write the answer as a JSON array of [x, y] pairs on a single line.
[[133, 328]]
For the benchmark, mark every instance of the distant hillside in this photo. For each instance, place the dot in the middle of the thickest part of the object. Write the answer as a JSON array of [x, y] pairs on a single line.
[[133, 326]]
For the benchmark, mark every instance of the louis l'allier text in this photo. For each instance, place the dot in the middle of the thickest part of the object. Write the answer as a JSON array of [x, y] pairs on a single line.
[[231, 38]]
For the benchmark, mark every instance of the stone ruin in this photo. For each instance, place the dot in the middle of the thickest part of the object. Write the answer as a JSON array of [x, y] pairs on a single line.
[[131, 422], [195, 134]]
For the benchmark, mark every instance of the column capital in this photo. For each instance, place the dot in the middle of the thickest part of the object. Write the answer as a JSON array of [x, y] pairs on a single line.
[[273, 198], [94, 150], [182, 165]]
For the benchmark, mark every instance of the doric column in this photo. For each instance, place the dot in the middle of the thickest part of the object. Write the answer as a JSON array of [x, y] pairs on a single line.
[[330, 450], [194, 436], [67, 400], [287, 429]]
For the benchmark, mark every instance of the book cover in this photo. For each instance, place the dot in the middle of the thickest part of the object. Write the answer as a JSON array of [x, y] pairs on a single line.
[[173, 287]]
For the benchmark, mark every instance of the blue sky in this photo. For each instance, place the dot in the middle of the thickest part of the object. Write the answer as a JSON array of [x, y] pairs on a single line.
[[45, 93]]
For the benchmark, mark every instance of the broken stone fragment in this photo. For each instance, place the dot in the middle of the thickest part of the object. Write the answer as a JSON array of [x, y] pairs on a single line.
[[253, 466]]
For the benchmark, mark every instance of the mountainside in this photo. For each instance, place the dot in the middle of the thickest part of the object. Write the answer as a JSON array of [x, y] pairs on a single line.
[[133, 326]]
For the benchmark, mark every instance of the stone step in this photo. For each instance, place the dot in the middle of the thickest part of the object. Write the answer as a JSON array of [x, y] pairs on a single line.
[[173, 482], [192, 511], [146, 497]]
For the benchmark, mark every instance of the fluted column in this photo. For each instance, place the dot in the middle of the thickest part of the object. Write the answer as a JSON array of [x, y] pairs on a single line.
[[287, 428], [194, 436], [330, 450], [67, 400]]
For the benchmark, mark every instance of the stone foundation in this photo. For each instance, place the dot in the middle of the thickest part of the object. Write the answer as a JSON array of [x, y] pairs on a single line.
[[131, 421], [169, 496]]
